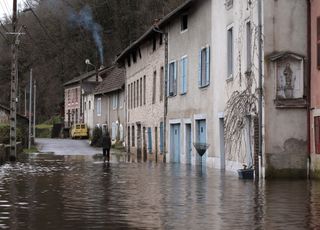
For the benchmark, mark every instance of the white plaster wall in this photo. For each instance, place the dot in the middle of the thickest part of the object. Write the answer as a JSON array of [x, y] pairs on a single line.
[[285, 30], [197, 102], [222, 19]]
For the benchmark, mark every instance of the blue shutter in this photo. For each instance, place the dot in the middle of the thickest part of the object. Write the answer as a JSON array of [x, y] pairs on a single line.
[[181, 74], [175, 78], [199, 69], [161, 137], [185, 74], [149, 141], [167, 80], [208, 66]]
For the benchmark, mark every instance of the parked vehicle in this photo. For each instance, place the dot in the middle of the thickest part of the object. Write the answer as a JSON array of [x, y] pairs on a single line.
[[79, 131]]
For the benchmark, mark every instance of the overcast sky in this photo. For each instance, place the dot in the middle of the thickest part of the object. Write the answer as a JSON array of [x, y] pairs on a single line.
[[6, 7]]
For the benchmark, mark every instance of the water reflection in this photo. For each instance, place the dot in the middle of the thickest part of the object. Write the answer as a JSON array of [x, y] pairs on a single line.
[[79, 192]]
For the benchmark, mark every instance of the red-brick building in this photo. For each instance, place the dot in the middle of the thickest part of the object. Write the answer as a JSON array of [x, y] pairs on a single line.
[[314, 87]]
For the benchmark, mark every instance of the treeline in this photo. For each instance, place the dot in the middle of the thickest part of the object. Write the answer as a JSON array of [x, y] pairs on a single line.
[[61, 34]]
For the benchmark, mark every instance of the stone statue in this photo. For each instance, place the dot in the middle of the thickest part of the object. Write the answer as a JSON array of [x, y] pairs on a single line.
[[288, 88]]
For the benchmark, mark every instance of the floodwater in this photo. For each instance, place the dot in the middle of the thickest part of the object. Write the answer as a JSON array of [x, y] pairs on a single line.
[[80, 192]]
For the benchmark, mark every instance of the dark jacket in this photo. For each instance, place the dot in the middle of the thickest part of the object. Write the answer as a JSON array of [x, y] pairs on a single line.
[[106, 142]]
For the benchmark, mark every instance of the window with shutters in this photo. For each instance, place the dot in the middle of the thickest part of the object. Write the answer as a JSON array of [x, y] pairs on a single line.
[[149, 140], [114, 101], [154, 88], [183, 74], [317, 134], [204, 67], [161, 83], [249, 44], [172, 79], [99, 107]]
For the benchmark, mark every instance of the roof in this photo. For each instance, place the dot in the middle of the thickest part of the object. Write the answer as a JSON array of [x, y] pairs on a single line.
[[81, 77], [114, 80], [8, 110], [152, 30], [86, 76]]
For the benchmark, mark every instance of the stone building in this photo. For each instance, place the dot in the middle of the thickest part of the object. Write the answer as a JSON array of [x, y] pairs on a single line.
[[144, 64]]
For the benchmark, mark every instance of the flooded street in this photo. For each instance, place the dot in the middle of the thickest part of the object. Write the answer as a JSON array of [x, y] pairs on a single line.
[[79, 192]]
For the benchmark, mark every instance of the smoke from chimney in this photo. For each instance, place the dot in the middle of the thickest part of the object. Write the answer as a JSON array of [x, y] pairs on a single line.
[[85, 19]]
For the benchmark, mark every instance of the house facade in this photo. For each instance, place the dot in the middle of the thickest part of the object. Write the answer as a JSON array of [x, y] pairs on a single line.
[[144, 64], [73, 101], [109, 100], [314, 87], [235, 42], [189, 83]]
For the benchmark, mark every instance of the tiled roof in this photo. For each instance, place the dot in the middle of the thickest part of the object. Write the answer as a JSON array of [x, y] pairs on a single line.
[[87, 75], [114, 80]]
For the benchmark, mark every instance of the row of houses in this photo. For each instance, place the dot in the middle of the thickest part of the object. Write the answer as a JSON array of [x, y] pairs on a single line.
[[193, 80]]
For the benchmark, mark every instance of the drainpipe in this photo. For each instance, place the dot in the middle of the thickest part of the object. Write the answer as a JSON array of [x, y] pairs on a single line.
[[308, 72], [165, 100], [260, 85]]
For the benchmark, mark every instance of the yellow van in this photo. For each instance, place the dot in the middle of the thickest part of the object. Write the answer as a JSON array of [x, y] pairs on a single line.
[[79, 131]]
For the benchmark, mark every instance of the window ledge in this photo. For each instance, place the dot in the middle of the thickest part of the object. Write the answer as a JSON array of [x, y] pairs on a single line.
[[182, 94], [183, 31], [295, 103]]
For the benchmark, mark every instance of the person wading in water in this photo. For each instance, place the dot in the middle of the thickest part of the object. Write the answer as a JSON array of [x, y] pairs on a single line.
[[106, 145]]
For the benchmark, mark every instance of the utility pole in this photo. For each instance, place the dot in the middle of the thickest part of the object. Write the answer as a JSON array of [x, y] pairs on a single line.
[[260, 40], [34, 109], [30, 110], [14, 82]]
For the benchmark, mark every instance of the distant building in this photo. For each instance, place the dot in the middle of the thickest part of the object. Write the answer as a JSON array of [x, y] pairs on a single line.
[[73, 91], [109, 99], [144, 64]]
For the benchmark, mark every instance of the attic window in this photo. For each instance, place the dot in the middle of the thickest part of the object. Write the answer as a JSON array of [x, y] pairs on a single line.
[[154, 40], [134, 56], [129, 61], [184, 22]]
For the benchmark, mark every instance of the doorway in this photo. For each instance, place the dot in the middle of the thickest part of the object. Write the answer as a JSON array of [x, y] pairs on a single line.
[[188, 144], [222, 148], [139, 144], [175, 143]]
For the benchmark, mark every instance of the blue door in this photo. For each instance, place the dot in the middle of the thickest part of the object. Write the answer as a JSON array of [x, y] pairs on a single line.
[[188, 143], [175, 143], [202, 136]]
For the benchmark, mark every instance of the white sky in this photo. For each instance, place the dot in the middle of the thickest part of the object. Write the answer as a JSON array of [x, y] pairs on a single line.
[[6, 7]]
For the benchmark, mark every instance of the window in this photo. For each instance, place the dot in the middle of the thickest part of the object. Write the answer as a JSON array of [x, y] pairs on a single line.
[[161, 39], [183, 74], [134, 94], [69, 96], [230, 52], [184, 22], [204, 67], [114, 101], [137, 93], [318, 42], [139, 52], [154, 41], [129, 97], [134, 56], [129, 61], [172, 79], [144, 89], [121, 96], [85, 106], [99, 106], [154, 87], [249, 44], [317, 134], [161, 83], [140, 91], [89, 105]]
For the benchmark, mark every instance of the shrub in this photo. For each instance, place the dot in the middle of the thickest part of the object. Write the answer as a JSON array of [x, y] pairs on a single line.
[[96, 137], [5, 135]]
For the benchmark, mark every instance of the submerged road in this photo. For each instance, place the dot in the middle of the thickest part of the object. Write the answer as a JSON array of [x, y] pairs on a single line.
[[66, 147]]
